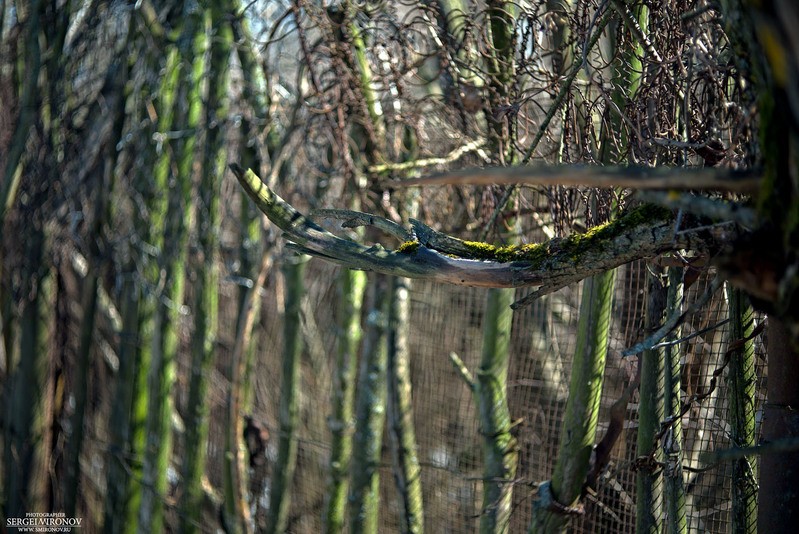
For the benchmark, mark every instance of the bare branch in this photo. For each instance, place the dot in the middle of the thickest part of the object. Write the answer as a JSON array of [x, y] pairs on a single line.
[[429, 162], [643, 232], [708, 179], [462, 370], [676, 318]]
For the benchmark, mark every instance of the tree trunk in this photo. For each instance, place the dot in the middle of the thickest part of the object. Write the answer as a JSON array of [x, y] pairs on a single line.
[[561, 497], [280, 494], [778, 509], [741, 381], [673, 443], [500, 449], [407, 473], [179, 110], [364, 499], [351, 286], [649, 484], [204, 265], [117, 479]]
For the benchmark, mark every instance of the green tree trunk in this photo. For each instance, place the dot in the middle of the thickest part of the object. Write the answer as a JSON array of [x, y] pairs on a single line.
[[407, 473], [649, 482], [179, 109], [351, 285], [500, 450], [741, 380], [673, 481], [370, 410], [163, 229], [501, 72], [129, 384], [204, 267], [280, 494], [119, 457], [125, 430], [560, 496]]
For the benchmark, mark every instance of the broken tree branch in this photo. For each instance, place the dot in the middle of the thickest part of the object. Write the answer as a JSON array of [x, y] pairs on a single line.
[[643, 232]]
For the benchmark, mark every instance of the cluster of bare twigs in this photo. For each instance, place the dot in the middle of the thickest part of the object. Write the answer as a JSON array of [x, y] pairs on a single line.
[[577, 94]]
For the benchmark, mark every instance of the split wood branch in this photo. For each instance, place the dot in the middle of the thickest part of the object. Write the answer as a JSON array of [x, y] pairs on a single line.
[[643, 232]]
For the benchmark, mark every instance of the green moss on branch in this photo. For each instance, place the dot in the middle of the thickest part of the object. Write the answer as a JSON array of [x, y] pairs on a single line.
[[408, 247], [573, 245]]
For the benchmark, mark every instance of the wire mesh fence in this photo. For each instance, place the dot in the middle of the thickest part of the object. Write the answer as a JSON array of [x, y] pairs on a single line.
[[447, 319]]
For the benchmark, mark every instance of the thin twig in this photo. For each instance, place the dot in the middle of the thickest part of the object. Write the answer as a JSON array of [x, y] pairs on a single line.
[[429, 162], [690, 336], [675, 319], [463, 371]]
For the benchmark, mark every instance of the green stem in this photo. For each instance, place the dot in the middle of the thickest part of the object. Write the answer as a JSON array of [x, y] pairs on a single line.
[[407, 472], [364, 499], [674, 485], [351, 286], [650, 413], [741, 381], [500, 449], [204, 268], [280, 498], [582, 408]]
